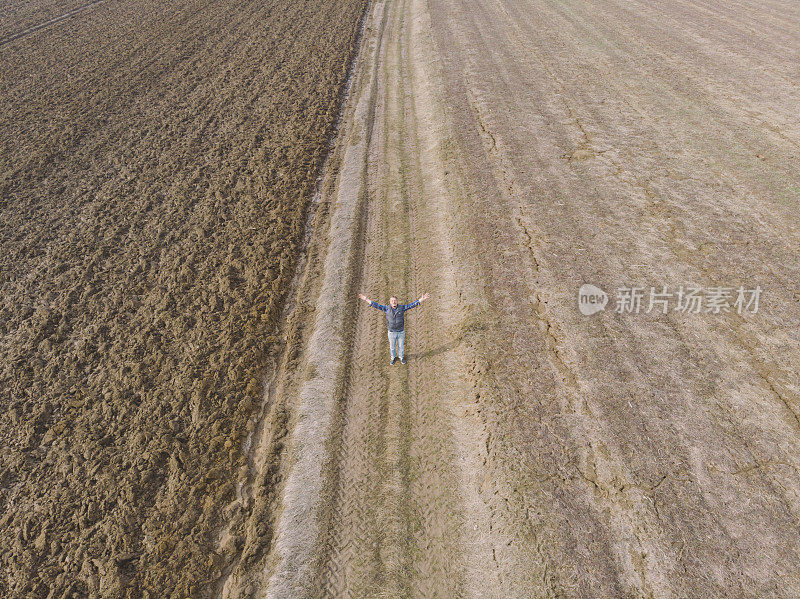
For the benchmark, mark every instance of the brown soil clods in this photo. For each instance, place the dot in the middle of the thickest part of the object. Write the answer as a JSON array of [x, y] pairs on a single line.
[[156, 164]]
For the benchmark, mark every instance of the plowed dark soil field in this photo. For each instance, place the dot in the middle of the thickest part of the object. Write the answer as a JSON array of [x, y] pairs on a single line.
[[157, 160]]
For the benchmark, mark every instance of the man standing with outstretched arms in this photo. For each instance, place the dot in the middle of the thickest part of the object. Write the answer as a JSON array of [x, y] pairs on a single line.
[[395, 323]]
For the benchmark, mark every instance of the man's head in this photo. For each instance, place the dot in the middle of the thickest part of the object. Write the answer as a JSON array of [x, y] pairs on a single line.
[[393, 302]]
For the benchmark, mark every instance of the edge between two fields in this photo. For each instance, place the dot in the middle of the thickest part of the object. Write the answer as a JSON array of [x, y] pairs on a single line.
[[325, 351]]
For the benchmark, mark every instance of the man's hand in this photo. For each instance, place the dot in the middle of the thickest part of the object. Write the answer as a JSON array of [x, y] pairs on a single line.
[[424, 297], [364, 297]]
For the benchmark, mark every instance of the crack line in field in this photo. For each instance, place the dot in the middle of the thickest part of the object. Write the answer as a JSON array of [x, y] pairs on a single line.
[[572, 385]]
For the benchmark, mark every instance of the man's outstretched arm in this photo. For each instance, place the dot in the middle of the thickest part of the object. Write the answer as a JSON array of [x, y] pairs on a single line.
[[372, 304], [416, 303]]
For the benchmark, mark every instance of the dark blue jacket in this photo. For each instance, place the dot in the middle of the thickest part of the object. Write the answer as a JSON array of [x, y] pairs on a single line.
[[394, 316]]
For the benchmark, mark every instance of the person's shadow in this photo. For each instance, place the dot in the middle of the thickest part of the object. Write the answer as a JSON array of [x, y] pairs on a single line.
[[435, 351]]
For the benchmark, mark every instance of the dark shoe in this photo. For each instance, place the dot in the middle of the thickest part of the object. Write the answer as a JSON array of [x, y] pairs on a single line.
[[402, 360], [393, 361]]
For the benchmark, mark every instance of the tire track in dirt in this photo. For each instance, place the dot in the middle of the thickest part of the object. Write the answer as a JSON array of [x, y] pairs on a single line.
[[326, 370], [26, 32], [392, 254], [349, 551], [434, 514], [406, 518], [350, 540]]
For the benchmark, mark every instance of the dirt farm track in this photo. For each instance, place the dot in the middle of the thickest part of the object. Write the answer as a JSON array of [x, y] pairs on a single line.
[[196, 404]]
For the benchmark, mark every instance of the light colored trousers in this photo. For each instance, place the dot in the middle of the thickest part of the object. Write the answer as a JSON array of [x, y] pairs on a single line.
[[397, 338]]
